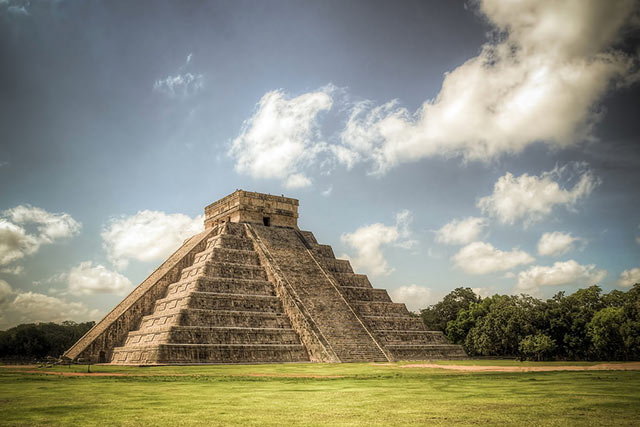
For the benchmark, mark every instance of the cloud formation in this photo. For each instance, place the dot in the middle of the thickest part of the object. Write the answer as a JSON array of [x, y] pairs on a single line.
[[369, 240], [483, 258], [50, 226], [18, 307], [280, 140], [461, 232], [16, 241], [560, 273], [14, 8], [182, 85], [413, 296], [629, 278], [556, 243], [530, 198], [147, 236], [538, 80], [89, 279]]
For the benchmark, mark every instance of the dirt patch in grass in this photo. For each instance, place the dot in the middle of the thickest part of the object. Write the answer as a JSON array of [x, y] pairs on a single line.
[[627, 366]]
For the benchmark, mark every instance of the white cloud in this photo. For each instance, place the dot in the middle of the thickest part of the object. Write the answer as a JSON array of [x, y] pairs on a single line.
[[629, 278], [297, 180], [50, 226], [369, 240], [483, 258], [18, 307], [556, 243], [147, 236], [280, 139], [413, 296], [461, 232], [87, 279], [16, 270], [15, 8], [16, 242], [327, 192], [539, 80], [530, 198], [182, 85], [560, 273], [485, 292]]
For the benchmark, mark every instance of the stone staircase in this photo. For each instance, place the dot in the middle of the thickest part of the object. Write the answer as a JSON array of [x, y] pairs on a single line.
[[221, 310], [403, 336], [338, 323]]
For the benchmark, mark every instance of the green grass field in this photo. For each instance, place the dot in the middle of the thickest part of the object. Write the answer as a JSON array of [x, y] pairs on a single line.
[[318, 394]]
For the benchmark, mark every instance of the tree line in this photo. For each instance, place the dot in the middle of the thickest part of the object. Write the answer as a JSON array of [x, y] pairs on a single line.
[[37, 341], [586, 325]]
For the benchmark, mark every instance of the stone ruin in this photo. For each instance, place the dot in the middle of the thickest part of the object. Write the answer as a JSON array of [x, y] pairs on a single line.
[[254, 288]]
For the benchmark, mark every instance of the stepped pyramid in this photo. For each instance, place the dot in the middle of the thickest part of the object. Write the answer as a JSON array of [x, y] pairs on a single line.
[[253, 288]]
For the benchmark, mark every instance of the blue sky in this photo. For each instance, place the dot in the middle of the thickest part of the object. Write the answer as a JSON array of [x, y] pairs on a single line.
[[435, 144]]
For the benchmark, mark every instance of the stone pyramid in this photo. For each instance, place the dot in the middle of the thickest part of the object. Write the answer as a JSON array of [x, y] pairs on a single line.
[[253, 288]]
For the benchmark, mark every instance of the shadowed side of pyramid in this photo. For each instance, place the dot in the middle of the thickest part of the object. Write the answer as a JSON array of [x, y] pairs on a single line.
[[253, 288]]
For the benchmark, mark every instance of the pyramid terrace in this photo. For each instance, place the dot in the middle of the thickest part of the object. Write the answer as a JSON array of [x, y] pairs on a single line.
[[253, 288]]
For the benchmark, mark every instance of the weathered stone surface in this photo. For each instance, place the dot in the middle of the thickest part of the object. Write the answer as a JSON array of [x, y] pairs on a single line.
[[98, 343], [253, 288]]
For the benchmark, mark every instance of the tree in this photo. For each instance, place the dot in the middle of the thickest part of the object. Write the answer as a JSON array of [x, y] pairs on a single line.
[[499, 324], [437, 316], [37, 341], [568, 317], [536, 347], [605, 333]]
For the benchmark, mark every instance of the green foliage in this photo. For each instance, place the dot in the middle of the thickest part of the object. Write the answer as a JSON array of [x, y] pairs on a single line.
[[585, 325], [537, 347], [39, 340], [437, 316]]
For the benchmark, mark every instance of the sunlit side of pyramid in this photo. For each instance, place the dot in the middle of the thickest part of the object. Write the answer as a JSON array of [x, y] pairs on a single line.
[[253, 288]]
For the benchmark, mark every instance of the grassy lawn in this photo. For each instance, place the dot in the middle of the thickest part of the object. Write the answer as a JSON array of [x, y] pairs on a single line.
[[349, 394]]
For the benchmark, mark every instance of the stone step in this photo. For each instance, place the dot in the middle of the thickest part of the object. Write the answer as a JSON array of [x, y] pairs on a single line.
[[209, 353], [229, 241], [237, 256], [222, 285], [219, 269], [353, 280], [229, 318], [324, 251], [308, 235], [235, 229], [186, 316], [219, 301], [395, 322], [214, 335], [381, 308], [354, 293], [411, 337], [426, 352], [337, 265]]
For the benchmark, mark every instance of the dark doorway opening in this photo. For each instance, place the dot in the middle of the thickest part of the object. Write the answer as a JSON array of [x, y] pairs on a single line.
[[266, 220], [102, 357]]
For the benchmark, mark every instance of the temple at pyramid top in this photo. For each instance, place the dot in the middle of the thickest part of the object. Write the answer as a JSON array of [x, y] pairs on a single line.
[[258, 208], [253, 288]]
